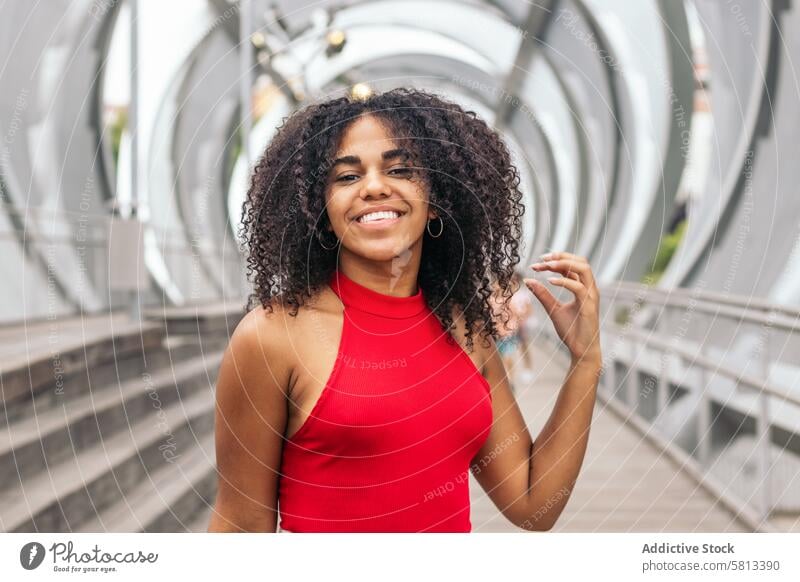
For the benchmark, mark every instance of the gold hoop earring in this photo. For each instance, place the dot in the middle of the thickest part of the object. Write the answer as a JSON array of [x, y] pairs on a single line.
[[319, 239], [428, 228]]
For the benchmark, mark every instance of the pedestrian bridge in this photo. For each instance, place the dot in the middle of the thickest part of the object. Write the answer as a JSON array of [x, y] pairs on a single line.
[[656, 138]]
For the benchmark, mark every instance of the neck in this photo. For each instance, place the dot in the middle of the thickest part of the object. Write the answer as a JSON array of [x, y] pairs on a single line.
[[395, 277]]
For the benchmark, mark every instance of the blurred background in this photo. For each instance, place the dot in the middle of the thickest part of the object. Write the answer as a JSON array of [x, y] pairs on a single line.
[[654, 137]]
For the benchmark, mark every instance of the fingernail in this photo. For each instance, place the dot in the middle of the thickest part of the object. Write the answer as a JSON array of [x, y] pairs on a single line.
[[536, 265], [546, 256]]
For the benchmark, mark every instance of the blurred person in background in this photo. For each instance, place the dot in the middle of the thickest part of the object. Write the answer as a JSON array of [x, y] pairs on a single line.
[[514, 344]]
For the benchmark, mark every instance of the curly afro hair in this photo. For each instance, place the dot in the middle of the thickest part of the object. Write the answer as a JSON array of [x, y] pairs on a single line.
[[471, 183]]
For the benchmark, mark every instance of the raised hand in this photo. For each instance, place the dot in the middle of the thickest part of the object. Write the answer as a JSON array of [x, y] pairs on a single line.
[[575, 322]]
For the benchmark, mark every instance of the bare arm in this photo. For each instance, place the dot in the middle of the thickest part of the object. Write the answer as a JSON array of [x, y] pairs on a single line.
[[249, 425], [530, 481], [558, 452]]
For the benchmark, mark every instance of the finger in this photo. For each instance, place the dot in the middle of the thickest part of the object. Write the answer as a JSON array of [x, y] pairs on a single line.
[[567, 266], [559, 255], [556, 255], [548, 301], [575, 286]]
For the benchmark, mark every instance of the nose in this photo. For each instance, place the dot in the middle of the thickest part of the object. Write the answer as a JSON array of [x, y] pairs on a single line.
[[375, 185]]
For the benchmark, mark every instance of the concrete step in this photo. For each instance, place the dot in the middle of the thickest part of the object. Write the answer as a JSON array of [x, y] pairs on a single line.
[[33, 444], [68, 362], [135, 364], [172, 499], [197, 320], [73, 491]]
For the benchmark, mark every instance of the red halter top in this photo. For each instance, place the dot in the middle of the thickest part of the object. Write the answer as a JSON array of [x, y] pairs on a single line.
[[387, 446]]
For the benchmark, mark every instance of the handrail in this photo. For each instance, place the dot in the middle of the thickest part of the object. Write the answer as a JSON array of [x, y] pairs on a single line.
[[706, 362], [700, 300]]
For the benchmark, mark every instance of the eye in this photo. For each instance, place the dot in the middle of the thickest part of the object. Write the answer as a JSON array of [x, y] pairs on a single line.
[[401, 171], [344, 178]]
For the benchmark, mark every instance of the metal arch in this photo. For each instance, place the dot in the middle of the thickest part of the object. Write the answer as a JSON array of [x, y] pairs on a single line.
[[181, 223], [104, 159], [74, 286], [559, 128], [538, 20], [179, 152], [673, 162], [580, 143], [169, 219], [401, 19], [701, 233], [634, 181], [616, 178], [547, 205], [764, 202], [614, 90], [785, 288], [229, 25], [584, 77]]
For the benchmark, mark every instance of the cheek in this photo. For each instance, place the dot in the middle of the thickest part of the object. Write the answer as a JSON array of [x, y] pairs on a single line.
[[419, 218], [336, 206], [420, 206]]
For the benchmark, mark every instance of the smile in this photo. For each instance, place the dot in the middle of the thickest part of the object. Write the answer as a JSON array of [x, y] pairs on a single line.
[[380, 218]]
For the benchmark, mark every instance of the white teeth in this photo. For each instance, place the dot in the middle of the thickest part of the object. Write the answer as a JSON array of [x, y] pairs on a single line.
[[378, 215]]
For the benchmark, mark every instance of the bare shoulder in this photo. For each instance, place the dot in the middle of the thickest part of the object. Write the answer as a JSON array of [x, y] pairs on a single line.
[[272, 335], [260, 322], [255, 370], [277, 322], [261, 332]]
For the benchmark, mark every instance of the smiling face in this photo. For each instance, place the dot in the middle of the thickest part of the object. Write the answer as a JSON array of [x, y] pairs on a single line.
[[373, 172]]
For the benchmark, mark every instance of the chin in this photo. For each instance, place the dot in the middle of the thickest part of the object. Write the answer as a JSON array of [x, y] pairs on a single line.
[[383, 250]]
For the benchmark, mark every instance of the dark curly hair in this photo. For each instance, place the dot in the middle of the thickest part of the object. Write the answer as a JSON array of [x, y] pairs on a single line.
[[470, 179]]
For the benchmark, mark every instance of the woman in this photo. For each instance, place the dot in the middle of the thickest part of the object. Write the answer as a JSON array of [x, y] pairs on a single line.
[[353, 397]]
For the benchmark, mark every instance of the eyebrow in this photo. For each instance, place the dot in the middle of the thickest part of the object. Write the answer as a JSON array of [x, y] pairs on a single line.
[[387, 155]]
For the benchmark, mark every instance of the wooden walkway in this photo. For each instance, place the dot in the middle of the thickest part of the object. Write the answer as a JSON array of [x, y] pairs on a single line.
[[625, 485]]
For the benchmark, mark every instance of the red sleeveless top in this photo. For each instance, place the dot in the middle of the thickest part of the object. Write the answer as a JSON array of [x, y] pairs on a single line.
[[388, 444]]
